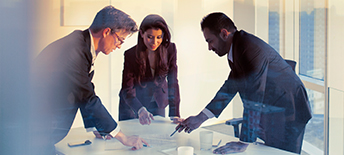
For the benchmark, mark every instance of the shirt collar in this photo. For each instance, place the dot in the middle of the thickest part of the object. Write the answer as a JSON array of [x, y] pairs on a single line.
[[230, 54], [92, 50]]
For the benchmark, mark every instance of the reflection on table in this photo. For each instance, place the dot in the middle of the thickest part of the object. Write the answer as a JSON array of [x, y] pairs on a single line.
[[158, 136]]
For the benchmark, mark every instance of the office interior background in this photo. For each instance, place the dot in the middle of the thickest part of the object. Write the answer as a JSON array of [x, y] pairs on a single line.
[[307, 31]]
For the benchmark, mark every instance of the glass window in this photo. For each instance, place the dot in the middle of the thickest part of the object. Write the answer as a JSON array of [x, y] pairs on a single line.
[[314, 133], [274, 24], [312, 49], [312, 39], [311, 63]]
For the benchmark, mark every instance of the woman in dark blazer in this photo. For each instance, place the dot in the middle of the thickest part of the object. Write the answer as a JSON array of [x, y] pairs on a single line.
[[149, 81]]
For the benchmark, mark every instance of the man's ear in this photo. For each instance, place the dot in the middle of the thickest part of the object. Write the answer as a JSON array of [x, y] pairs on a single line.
[[224, 34], [106, 31]]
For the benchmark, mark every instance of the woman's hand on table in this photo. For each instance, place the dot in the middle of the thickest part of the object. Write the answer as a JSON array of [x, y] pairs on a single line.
[[145, 117]]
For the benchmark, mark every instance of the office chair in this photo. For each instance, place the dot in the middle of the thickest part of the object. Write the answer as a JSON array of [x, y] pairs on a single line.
[[235, 122]]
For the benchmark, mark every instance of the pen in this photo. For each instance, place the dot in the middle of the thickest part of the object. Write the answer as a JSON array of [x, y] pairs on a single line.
[[175, 131], [217, 143], [144, 145]]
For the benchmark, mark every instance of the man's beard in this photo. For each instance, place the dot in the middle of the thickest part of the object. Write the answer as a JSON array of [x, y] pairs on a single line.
[[221, 49]]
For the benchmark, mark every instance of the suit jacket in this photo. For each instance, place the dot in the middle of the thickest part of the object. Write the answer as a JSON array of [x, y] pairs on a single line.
[[166, 93], [260, 75], [64, 79]]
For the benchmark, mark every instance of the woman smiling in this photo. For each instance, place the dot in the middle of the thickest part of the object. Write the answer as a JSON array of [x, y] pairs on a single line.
[[149, 81]]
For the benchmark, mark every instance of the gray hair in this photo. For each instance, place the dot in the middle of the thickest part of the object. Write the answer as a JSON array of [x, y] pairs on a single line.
[[115, 19]]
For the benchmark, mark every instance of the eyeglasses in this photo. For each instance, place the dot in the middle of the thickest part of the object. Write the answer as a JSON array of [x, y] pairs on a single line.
[[119, 39]]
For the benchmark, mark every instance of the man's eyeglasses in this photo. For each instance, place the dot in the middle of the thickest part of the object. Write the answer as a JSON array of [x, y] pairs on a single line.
[[119, 39]]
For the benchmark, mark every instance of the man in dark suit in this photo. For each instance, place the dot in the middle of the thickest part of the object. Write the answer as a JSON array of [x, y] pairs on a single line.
[[64, 71], [263, 79]]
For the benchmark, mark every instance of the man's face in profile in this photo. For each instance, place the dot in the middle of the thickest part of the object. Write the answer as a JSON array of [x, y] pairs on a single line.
[[215, 43], [112, 40]]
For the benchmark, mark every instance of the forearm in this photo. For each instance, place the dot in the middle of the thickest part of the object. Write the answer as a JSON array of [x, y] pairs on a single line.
[[174, 110], [135, 141], [222, 97], [128, 90], [208, 113], [173, 85], [202, 117], [121, 137], [173, 99], [131, 100]]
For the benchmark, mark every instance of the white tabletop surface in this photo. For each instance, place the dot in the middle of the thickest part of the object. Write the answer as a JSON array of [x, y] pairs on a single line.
[[157, 135]]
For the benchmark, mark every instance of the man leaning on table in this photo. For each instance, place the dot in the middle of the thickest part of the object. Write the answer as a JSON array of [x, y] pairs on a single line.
[[263, 79], [64, 79]]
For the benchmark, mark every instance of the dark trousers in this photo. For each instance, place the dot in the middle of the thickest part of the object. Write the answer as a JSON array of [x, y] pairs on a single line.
[[125, 112], [280, 134]]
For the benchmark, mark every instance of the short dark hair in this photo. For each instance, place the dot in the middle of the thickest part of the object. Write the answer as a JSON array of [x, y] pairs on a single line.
[[114, 19], [217, 21]]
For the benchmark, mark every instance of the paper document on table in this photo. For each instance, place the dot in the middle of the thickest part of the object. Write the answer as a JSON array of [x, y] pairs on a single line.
[[154, 140], [114, 144], [159, 140]]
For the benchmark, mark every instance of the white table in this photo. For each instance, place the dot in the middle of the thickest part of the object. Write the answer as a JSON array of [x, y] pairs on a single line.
[[157, 134]]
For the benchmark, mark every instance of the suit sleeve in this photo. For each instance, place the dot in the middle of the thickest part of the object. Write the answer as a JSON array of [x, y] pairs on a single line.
[[248, 78], [172, 79], [254, 62], [223, 97], [128, 91], [93, 112]]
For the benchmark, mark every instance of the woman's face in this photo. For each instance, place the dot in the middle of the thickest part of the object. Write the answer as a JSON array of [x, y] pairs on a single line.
[[152, 38]]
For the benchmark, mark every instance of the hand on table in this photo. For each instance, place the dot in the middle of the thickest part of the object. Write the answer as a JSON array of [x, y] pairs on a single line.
[[135, 141], [145, 117], [97, 134], [192, 123], [231, 147]]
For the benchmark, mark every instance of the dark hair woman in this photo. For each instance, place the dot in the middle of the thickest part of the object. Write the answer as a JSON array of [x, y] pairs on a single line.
[[149, 81]]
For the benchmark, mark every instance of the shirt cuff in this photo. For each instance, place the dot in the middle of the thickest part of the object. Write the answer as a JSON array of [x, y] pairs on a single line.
[[115, 132], [91, 129], [208, 113]]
